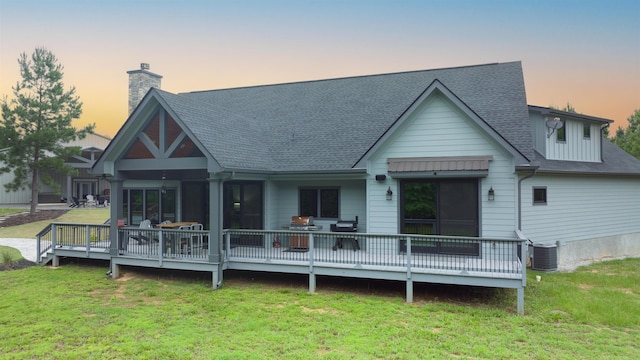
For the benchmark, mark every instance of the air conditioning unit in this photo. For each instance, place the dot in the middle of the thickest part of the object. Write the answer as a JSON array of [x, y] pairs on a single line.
[[545, 257]]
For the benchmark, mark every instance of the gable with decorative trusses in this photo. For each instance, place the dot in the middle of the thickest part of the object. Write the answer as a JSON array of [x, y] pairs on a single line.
[[162, 138]]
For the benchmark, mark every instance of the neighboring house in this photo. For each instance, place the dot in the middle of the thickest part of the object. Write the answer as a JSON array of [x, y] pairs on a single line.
[[78, 186]]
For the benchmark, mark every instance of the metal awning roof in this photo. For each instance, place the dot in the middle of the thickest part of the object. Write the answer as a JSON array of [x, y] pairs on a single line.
[[455, 165]]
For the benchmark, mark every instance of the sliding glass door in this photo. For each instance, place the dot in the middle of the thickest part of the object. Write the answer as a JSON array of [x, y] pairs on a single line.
[[440, 207]]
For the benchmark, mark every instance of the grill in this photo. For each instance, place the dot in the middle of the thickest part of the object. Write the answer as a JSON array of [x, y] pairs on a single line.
[[300, 223], [346, 226]]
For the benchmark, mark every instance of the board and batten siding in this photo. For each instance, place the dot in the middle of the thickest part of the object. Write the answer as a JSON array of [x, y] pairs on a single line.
[[438, 128], [576, 147], [580, 207]]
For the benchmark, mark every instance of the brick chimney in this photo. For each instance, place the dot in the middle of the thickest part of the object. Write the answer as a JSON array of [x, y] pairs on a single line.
[[140, 81]]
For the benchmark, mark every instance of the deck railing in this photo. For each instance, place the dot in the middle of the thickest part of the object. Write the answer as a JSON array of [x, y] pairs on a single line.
[[493, 257], [72, 236], [164, 243]]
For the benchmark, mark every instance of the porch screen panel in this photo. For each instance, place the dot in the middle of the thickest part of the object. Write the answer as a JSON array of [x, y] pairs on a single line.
[[152, 206], [459, 208], [242, 203], [419, 208], [136, 206], [168, 205], [195, 202]]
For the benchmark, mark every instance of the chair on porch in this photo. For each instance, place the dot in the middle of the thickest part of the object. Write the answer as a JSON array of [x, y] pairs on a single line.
[[141, 236], [197, 238], [186, 242]]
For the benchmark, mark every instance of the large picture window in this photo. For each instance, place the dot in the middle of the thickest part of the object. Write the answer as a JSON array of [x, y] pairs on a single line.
[[319, 202]]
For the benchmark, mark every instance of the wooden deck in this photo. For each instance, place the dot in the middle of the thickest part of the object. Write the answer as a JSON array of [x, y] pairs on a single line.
[[492, 263]]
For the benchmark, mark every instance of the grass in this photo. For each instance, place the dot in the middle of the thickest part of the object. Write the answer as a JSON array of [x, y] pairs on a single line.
[[81, 216], [7, 211], [9, 255], [74, 311]]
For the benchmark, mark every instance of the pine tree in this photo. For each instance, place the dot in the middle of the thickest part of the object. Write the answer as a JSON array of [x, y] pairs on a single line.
[[629, 139], [37, 123]]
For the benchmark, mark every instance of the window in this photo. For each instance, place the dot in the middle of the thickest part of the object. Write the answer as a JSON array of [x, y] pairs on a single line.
[[319, 203], [539, 195], [586, 131], [561, 133]]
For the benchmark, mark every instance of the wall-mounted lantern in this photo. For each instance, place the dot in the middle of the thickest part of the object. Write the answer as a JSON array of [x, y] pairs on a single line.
[[389, 193], [492, 194]]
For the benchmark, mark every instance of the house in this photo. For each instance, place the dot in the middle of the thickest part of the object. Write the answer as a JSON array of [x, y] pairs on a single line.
[[78, 186], [442, 174]]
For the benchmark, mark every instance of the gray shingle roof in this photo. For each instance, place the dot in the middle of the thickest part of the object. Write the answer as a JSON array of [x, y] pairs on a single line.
[[615, 161], [328, 125]]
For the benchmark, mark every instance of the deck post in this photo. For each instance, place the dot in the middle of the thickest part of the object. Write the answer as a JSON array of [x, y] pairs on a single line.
[[521, 300], [55, 261], [409, 290], [38, 253], [312, 275], [115, 213], [87, 237], [115, 270]]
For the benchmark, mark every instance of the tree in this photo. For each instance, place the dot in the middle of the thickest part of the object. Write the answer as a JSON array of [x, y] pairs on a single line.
[[36, 125], [629, 139]]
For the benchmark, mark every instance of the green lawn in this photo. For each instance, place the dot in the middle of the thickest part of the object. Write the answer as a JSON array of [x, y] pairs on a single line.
[[9, 254], [81, 216], [75, 312]]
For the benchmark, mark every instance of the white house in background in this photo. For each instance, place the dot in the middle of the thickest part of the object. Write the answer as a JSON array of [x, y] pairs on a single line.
[[78, 186]]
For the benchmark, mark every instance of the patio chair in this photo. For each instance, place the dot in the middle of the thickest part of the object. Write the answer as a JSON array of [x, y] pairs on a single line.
[[141, 236], [186, 243], [74, 202], [198, 237], [91, 201]]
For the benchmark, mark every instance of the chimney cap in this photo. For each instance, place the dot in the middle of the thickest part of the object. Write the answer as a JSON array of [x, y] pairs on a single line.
[[144, 66]]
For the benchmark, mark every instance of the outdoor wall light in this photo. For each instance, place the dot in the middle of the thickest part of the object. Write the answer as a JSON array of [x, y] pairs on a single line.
[[163, 188], [389, 193], [492, 194]]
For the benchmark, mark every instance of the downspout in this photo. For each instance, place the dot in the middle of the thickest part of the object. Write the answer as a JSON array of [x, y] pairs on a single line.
[[220, 225]]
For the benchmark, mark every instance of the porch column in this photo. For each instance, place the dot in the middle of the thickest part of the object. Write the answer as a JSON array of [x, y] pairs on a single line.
[[215, 219], [115, 211], [215, 229], [69, 190]]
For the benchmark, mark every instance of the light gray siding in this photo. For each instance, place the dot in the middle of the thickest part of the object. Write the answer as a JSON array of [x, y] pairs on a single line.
[[581, 207], [436, 129], [283, 201]]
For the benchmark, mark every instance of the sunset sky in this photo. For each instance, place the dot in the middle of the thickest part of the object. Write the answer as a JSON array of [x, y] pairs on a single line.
[[583, 52]]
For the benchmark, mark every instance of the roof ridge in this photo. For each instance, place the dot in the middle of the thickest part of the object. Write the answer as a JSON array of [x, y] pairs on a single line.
[[347, 77]]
